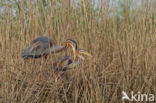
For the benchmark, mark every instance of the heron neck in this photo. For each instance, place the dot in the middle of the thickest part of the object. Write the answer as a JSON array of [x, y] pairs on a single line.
[[56, 49], [62, 48]]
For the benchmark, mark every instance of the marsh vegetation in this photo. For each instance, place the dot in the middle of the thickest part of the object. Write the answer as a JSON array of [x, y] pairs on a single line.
[[121, 38]]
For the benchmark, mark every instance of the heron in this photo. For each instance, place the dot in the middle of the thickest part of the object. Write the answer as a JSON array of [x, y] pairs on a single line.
[[42, 46], [68, 62]]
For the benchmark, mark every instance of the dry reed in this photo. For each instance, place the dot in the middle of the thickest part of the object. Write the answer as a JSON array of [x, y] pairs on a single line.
[[123, 49]]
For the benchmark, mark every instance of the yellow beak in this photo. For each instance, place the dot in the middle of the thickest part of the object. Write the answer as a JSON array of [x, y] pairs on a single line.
[[86, 53]]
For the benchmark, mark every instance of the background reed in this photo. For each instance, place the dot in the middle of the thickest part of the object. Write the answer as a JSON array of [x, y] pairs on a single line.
[[121, 38]]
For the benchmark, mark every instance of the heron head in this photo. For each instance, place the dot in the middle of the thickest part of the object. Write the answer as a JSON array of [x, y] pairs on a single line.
[[84, 52], [73, 44]]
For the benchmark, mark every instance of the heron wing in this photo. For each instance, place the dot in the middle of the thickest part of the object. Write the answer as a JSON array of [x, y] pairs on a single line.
[[36, 45], [62, 63], [68, 62], [37, 48]]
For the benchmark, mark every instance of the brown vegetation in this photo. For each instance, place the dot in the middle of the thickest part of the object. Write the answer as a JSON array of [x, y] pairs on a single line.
[[123, 49]]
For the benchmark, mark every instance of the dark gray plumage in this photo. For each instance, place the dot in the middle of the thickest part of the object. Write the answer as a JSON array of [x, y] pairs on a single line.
[[41, 46]]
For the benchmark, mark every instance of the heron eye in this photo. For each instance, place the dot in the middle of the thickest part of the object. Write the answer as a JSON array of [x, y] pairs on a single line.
[[70, 61]]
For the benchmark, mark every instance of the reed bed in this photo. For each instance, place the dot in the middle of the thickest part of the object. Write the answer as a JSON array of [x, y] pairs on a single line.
[[123, 46]]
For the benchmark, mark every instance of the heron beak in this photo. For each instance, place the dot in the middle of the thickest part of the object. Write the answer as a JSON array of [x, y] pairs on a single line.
[[86, 53]]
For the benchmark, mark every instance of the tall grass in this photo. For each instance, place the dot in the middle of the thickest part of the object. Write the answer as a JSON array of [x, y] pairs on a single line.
[[123, 49]]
